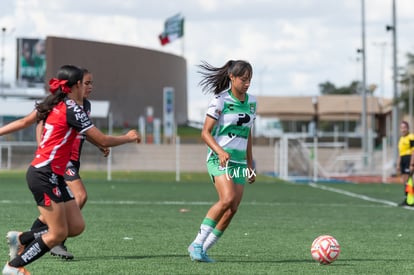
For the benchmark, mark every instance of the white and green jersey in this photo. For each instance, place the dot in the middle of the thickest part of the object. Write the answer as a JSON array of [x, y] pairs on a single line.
[[234, 121]]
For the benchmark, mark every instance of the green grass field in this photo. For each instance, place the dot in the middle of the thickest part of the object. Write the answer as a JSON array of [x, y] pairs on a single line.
[[135, 226]]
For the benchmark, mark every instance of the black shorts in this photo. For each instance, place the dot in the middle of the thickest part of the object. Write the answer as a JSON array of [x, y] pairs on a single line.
[[405, 164], [46, 186], [72, 171]]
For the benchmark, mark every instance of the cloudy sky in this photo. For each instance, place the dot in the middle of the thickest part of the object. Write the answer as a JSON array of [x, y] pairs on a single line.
[[293, 45]]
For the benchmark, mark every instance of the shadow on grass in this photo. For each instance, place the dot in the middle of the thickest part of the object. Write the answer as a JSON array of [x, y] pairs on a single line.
[[118, 257], [346, 261], [227, 259]]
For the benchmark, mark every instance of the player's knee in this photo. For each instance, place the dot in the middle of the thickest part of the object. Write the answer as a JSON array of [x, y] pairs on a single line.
[[227, 202], [56, 235], [76, 229], [81, 199]]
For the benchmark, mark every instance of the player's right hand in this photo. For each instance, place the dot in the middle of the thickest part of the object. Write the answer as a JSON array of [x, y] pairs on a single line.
[[134, 136], [223, 157]]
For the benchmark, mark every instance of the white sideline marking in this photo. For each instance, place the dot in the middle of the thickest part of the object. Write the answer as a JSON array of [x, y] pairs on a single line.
[[252, 203], [127, 202], [358, 196], [195, 203]]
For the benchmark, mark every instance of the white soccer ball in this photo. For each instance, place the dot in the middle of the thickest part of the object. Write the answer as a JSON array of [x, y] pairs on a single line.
[[325, 249]]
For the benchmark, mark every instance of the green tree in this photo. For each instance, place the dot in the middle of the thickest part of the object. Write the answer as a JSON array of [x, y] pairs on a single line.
[[328, 88], [407, 74]]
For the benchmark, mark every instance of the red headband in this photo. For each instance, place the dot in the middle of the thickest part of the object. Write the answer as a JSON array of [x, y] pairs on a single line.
[[55, 84]]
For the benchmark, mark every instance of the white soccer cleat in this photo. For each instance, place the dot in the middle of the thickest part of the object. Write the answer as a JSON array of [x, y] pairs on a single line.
[[11, 270], [14, 243]]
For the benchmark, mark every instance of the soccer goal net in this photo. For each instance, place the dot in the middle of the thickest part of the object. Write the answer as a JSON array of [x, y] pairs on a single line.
[[296, 159]]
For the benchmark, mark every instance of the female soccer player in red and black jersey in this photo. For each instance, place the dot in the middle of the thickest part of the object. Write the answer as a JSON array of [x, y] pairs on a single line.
[[72, 176], [63, 119]]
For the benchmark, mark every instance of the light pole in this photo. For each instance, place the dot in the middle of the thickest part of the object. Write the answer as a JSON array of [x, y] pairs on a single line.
[[315, 138], [395, 118], [346, 127], [410, 74], [3, 34], [364, 91], [410, 98]]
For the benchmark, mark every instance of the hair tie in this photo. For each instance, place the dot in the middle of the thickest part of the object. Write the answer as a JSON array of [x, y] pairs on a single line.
[[55, 84]]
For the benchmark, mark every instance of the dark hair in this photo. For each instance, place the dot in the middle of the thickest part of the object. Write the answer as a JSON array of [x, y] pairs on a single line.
[[215, 80], [406, 124], [67, 72], [85, 71]]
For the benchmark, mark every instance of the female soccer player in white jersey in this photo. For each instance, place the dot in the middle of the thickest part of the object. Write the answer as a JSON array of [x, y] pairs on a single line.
[[63, 119], [227, 132]]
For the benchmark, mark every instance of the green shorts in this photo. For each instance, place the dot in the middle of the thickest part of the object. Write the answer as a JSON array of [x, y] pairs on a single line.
[[236, 171]]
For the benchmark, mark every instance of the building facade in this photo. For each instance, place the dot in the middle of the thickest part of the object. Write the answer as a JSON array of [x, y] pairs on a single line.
[[131, 78]]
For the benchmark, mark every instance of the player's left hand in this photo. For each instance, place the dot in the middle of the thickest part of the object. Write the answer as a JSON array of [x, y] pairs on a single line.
[[105, 151], [252, 176]]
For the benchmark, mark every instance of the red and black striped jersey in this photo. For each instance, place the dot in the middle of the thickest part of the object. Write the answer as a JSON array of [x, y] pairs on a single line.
[[62, 125]]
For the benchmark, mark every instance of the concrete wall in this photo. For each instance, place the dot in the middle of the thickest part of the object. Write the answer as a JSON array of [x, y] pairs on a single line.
[[150, 157], [141, 157]]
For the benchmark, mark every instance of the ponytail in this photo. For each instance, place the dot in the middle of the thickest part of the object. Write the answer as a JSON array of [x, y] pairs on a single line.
[[66, 78], [217, 79]]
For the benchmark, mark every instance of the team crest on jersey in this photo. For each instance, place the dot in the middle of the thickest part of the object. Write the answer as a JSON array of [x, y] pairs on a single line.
[[57, 192], [252, 108], [216, 110], [70, 172], [71, 103]]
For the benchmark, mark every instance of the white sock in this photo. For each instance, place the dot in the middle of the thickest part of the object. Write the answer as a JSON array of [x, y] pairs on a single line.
[[203, 233], [210, 241]]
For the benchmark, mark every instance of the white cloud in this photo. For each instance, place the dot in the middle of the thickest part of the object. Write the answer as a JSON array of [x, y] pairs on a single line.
[[293, 45], [300, 80]]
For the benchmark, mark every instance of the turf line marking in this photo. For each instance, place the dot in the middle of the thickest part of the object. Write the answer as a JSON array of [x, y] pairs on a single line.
[[187, 203], [244, 203], [355, 195]]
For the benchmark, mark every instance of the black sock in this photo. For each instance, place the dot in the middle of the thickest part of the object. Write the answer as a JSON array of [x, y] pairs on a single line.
[[28, 236], [37, 223], [32, 252]]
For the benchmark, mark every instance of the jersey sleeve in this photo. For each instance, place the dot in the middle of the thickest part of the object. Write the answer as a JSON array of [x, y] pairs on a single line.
[[77, 117], [411, 140], [87, 106], [215, 107]]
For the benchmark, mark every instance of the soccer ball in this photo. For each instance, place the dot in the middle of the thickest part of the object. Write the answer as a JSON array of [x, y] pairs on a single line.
[[325, 249]]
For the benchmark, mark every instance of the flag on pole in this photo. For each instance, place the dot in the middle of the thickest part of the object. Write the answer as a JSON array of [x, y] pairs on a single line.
[[173, 29]]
